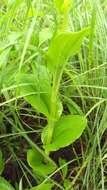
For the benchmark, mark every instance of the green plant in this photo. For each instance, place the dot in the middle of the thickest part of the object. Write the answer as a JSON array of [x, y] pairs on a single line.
[[1, 162], [4, 185], [41, 88], [47, 186], [28, 29]]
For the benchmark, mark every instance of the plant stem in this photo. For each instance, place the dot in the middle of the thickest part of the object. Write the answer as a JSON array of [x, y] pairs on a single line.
[[55, 89]]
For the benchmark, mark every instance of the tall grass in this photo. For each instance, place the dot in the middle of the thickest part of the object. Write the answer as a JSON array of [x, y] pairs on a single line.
[[20, 25]]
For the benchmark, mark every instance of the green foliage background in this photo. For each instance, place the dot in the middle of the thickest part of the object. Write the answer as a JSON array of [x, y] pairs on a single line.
[[26, 28]]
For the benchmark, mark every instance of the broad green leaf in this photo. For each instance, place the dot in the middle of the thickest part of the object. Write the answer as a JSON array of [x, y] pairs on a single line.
[[67, 183], [3, 65], [38, 164], [47, 186], [62, 6], [66, 131], [63, 46], [1, 163], [4, 185], [32, 91], [7, 79], [44, 35], [14, 36], [58, 4], [45, 134], [4, 55], [36, 89], [66, 6]]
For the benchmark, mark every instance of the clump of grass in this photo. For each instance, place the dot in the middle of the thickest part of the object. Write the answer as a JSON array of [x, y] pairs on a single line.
[[83, 90]]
